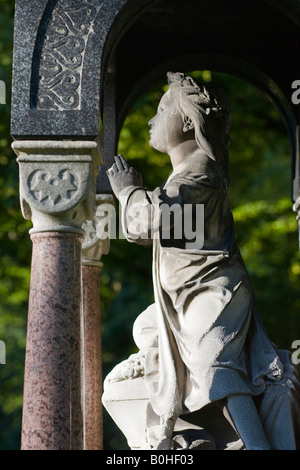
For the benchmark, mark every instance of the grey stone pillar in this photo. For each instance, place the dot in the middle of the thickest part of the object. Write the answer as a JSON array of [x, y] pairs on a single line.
[[96, 243], [57, 192], [296, 208]]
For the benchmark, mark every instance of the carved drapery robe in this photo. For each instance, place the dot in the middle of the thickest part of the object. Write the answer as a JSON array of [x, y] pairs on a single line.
[[205, 322]]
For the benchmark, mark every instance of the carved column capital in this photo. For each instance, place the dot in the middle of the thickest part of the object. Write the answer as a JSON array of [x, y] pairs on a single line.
[[57, 183], [96, 242]]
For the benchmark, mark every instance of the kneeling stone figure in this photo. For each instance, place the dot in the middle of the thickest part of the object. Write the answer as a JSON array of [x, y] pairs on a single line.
[[206, 375]]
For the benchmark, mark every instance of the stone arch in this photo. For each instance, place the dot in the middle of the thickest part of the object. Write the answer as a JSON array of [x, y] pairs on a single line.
[[70, 75], [261, 61]]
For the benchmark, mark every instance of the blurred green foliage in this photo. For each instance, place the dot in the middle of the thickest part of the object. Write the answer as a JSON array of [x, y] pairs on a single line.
[[260, 168]]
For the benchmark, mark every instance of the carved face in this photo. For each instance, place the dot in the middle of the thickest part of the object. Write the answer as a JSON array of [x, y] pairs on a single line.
[[167, 125]]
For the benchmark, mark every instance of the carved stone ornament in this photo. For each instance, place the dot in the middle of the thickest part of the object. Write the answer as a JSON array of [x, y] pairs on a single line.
[[59, 62], [57, 182]]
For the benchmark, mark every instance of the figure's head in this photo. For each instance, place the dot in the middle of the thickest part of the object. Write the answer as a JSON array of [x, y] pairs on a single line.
[[167, 126], [191, 111]]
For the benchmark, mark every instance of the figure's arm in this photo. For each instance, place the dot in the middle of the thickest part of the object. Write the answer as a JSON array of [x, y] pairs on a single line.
[[136, 208], [153, 214]]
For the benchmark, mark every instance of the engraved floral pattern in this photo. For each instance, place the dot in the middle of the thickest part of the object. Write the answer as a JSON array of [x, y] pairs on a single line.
[[58, 64], [57, 188]]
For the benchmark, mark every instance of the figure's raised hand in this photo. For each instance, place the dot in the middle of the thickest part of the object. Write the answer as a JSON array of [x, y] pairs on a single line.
[[122, 175]]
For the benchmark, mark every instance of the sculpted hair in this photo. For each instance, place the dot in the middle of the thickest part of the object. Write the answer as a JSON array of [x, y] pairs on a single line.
[[205, 110]]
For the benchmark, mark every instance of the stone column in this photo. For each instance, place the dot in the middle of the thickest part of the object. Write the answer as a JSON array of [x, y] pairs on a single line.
[[57, 192], [96, 243]]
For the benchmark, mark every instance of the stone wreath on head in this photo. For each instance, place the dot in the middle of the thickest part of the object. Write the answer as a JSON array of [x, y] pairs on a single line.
[[205, 110]]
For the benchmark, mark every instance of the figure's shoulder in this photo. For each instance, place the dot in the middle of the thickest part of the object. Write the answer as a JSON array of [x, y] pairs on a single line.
[[197, 169], [202, 163]]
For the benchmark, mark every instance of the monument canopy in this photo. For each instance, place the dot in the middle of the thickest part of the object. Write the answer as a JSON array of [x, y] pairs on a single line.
[[79, 66]]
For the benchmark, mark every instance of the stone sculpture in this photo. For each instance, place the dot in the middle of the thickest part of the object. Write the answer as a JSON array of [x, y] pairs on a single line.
[[206, 375]]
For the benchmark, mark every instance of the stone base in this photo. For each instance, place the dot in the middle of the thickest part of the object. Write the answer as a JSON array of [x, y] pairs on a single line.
[[127, 402]]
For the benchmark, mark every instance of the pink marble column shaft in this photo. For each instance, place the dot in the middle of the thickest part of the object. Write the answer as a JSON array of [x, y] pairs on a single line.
[[93, 430], [52, 411]]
